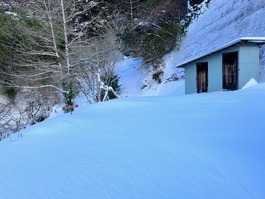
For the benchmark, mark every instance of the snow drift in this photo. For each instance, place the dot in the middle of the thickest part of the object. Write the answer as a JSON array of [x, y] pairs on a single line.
[[191, 146]]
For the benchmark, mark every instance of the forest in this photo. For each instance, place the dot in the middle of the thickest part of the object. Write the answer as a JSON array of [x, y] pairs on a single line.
[[51, 50]]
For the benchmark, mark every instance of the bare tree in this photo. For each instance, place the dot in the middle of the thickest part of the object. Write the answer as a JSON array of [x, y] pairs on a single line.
[[97, 60], [47, 39], [134, 5], [47, 45]]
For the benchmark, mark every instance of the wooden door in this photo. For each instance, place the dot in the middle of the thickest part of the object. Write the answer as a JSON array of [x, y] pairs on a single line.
[[202, 77], [230, 71]]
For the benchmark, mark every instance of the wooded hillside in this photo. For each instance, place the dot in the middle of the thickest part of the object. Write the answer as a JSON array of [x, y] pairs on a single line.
[[51, 50]]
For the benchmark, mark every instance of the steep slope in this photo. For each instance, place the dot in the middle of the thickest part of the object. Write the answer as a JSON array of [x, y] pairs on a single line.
[[222, 22]]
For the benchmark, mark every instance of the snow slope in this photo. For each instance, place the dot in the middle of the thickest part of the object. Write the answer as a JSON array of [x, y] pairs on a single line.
[[191, 146], [133, 78], [222, 23]]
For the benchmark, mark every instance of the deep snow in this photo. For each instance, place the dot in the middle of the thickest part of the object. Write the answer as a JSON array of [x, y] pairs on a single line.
[[191, 146], [170, 146]]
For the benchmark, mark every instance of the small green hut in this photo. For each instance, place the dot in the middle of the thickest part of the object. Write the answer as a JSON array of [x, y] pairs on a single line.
[[228, 67]]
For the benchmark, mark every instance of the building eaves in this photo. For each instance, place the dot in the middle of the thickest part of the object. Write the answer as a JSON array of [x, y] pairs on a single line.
[[258, 40]]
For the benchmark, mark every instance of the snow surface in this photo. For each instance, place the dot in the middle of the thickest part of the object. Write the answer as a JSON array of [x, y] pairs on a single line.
[[250, 83], [131, 76], [196, 146], [191, 146]]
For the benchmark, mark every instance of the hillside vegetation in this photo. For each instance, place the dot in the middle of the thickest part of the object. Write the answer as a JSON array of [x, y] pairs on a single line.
[[53, 50]]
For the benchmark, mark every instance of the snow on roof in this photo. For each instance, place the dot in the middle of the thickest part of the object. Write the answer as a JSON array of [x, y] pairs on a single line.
[[259, 40]]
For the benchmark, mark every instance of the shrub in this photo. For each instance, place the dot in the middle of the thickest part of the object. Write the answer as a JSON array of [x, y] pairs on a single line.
[[111, 79], [157, 76], [151, 42], [151, 3], [70, 93], [9, 92]]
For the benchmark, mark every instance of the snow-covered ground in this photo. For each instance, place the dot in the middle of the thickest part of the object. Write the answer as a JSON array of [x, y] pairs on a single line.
[[191, 146], [133, 77], [168, 146]]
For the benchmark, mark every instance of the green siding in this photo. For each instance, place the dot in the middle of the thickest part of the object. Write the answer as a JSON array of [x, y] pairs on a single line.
[[248, 65], [190, 77], [214, 69]]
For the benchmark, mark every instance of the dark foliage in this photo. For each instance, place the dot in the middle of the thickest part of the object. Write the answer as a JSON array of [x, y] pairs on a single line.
[[70, 93], [151, 42], [111, 79]]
